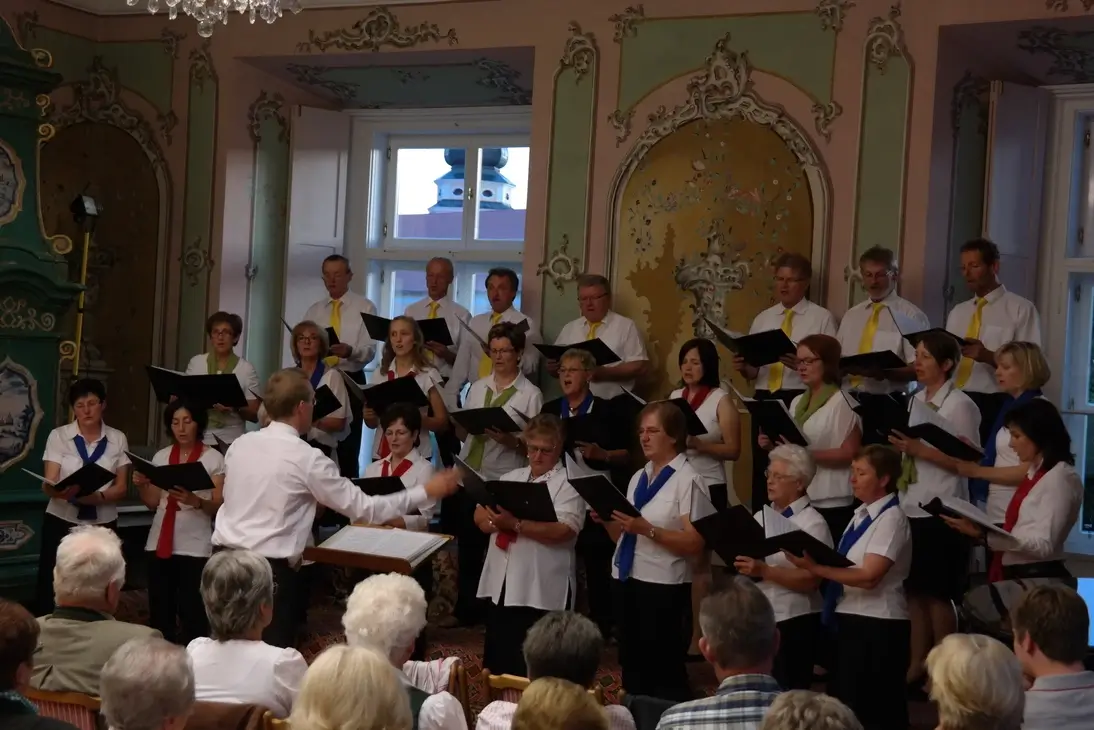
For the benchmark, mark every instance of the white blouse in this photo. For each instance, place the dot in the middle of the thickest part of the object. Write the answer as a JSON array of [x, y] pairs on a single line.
[[713, 471], [426, 379], [193, 528], [528, 400], [1046, 516], [61, 450], [999, 495], [889, 536], [246, 673], [668, 509], [827, 429], [532, 573], [418, 474], [234, 425], [788, 603]]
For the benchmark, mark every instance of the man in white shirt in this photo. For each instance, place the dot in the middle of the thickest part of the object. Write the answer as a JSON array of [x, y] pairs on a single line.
[[472, 361], [598, 321], [342, 311], [992, 318], [273, 484], [797, 317]]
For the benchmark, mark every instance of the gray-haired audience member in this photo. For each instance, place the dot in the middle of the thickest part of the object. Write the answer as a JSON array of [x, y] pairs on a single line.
[[147, 685], [236, 665], [18, 637], [1051, 632], [740, 641], [801, 709], [81, 633], [564, 645], [976, 682]]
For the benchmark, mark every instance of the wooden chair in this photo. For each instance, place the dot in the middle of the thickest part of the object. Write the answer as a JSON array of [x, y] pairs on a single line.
[[72, 707], [508, 687], [457, 687]]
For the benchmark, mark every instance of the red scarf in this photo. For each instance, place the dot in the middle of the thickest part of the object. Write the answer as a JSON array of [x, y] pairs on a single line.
[[697, 397], [165, 545], [385, 447], [403, 468], [995, 572]]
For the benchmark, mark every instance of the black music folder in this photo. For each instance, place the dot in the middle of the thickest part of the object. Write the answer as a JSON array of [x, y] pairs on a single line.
[[782, 534], [595, 347], [695, 426], [524, 500], [90, 478], [958, 508], [915, 337], [759, 349], [628, 405], [591, 428], [380, 396], [473, 483], [945, 442], [881, 414], [433, 330], [733, 532], [332, 337], [191, 476], [376, 326], [221, 445], [379, 486], [602, 496], [476, 420], [870, 362], [202, 391], [326, 403], [774, 419]]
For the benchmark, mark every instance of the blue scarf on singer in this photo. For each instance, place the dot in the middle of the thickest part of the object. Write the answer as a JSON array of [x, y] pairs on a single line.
[[643, 493], [88, 512], [833, 590], [317, 374], [582, 408], [978, 488]]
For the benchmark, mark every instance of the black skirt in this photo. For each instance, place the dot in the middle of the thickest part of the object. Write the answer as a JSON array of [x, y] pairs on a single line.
[[940, 561], [871, 660]]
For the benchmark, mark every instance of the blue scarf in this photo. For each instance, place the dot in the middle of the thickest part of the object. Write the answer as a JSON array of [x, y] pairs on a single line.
[[88, 512], [978, 488], [832, 589], [317, 374], [582, 408], [643, 493]]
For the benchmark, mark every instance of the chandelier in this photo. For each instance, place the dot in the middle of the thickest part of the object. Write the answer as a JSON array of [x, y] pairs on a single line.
[[209, 12]]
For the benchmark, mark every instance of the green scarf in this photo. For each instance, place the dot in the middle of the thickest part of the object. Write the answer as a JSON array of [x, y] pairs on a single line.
[[909, 474], [478, 443], [808, 405], [216, 418]]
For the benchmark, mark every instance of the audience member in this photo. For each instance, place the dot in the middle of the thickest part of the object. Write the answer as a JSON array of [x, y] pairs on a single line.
[[563, 645], [351, 688], [1051, 632], [740, 641], [976, 683], [147, 685], [236, 665], [555, 704], [387, 612], [81, 633], [18, 637], [801, 709]]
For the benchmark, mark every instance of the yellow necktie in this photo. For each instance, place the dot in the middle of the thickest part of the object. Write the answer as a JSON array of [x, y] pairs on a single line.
[[964, 368], [485, 363], [593, 327], [432, 315], [775, 374], [866, 342], [336, 325]]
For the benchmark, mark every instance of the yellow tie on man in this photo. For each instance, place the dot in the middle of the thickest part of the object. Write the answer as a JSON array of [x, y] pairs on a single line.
[[593, 327], [486, 365], [336, 325], [866, 342], [964, 368], [433, 306], [775, 374]]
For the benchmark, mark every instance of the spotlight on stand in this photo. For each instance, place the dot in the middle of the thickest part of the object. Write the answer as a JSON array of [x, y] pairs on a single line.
[[85, 211]]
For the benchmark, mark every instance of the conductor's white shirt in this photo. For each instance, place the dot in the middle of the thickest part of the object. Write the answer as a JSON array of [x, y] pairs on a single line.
[[1005, 318], [621, 336], [351, 330], [452, 313]]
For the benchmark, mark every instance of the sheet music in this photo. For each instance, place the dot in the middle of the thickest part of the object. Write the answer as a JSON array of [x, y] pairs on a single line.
[[973, 513], [731, 333], [351, 385], [701, 506], [40, 478], [401, 544], [740, 396], [921, 413], [167, 370], [632, 395], [775, 524]]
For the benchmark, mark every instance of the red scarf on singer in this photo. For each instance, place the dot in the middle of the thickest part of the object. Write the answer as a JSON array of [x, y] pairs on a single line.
[[995, 572], [697, 397], [385, 448], [165, 545], [403, 468]]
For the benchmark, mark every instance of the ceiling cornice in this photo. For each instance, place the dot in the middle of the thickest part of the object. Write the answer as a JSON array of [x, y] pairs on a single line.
[[120, 7]]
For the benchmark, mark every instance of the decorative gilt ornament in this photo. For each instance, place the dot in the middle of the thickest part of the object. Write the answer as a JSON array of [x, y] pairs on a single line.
[[626, 23], [832, 12], [16, 315], [824, 115], [266, 106], [344, 91], [580, 53], [621, 122], [377, 29], [561, 267], [885, 39], [201, 65], [709, 278]]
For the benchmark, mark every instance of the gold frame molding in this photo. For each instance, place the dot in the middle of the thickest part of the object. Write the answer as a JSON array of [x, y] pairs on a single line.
[[20, 183]]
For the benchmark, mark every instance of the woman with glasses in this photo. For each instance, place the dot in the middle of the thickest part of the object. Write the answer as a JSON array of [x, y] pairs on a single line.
[[401, 425], [406, 356], [832, 429], [529, 568], [224, 331], [309, 348], [793, 592]]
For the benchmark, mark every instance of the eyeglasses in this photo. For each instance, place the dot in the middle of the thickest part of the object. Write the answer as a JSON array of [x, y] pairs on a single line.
[[308, 338], [591, 299], [500, 352], [538, 449], [807, 361]]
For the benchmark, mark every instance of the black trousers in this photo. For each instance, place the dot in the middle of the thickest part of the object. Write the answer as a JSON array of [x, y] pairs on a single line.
[[759, 456], [290, 604], [458, 520], [175, 607], [989, 405], [872, 656], [798, 639], [49, 539], [506, 627], [654, 621], [596, 550]]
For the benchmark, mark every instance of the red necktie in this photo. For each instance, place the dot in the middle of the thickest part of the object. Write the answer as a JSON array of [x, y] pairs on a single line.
[[165, 546], [995, 571], [403, 468]]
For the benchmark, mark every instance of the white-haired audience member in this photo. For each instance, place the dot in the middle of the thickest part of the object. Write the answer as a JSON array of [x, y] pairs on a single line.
[[147, 685], [351, 688], [236, 665], [18, 637], [550, 703], [1051, 631], [81, 633], [740, 640], [387, 612], [563, 645], [976, 682], [801, 709]]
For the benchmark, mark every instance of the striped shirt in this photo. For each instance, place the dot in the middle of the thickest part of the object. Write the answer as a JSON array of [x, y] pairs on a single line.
[[739, 704]]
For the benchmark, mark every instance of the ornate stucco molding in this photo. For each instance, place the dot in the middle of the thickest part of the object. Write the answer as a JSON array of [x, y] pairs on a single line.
[[832, 13], [709, 277], [561, 267], [195, 260], [621, 122], [171, 40], [971, 89], [626, 23], [16, 315], [377, 29], [824, 116], [344, 91], [885, 39], [580, 52], [201, 65], [267, 106], [502, 78]]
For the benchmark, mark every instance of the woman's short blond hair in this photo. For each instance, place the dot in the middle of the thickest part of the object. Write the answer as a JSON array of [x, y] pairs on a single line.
[[351, 688], [547, 425], [1030, 360], [584, 358], [555, 704], [976, 682], [308, 326]]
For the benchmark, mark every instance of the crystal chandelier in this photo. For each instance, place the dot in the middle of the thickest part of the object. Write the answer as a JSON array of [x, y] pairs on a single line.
[[209, 12]]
